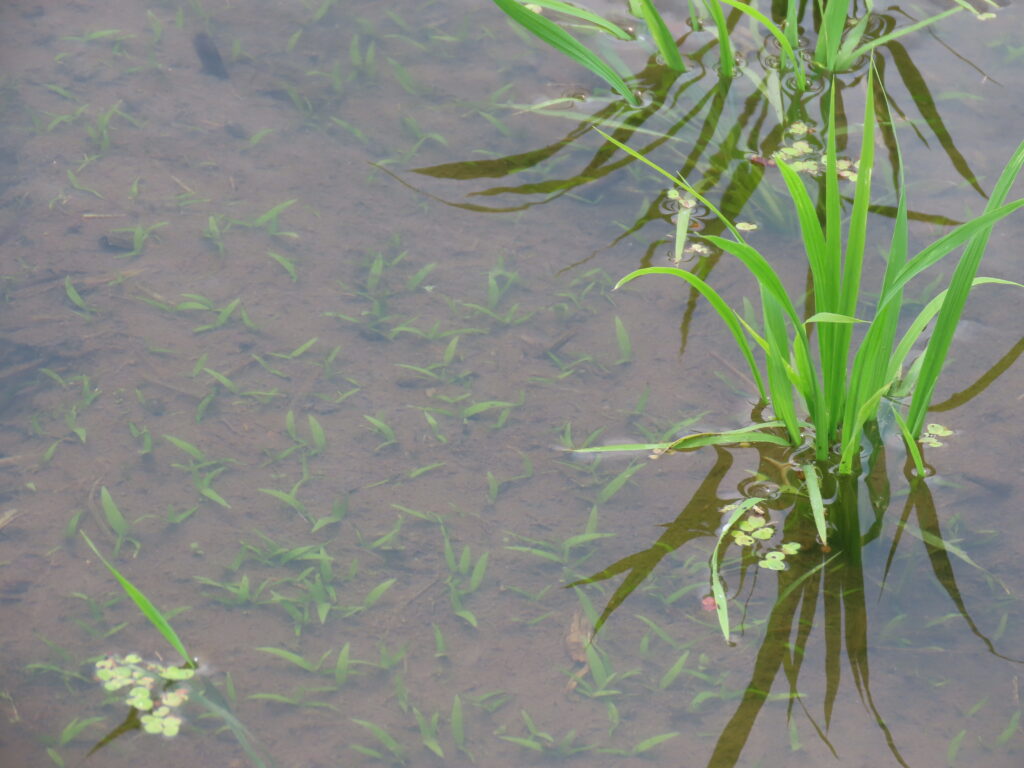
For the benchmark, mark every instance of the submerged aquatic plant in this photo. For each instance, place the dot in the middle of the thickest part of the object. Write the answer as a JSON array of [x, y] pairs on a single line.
[[841, 384]]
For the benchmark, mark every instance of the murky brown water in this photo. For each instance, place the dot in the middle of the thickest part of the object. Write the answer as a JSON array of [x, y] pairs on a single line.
[[445, 353]]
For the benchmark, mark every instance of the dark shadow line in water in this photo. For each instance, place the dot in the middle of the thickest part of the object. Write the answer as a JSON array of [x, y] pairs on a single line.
[[435, 198], [698, 518], [505, 166], [889, 211], [908, 507], [979, 386], [942, 566], [918, 89], [837, 580], [846, 583], [131, 722], [932, 32]]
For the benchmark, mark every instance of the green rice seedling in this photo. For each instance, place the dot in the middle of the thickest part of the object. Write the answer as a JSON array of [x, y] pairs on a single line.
[[673, 672], [239, 593], [660, 633], [272, 554], [440, 646], [97, 624], [156, 27], [599, 684], [625, 345], [395, 752], [340, 670], [286, 264], [202, 469], [840, 397], [300, 698], [458, 727], [140, 235], [339, 510], [74, 729], [504, 408], [268, 221], [464, 576], [429, 731], [64, 666], [68, 119], [150, 611], [117, 522], [195, 301], [491, 701], [542, 741], [144, 437], [75, 297], [363, 60], [214, 234], [360, 136], [335, 76], [382, 428], [494, 485], [99, 130], [440, 372], [559, 552], [289, 498], [76, 184], [405, 79]]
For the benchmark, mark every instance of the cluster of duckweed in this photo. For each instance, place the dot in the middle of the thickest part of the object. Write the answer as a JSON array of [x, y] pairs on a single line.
[[803, 157], [155, 690], [756, 527], [932, 434]]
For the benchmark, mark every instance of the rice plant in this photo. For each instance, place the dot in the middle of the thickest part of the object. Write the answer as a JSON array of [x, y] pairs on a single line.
[[531, 19], [843, 40], [825, 394]]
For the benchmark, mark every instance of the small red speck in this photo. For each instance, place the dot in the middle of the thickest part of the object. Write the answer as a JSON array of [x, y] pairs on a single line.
[[764, 162], [708, 603]]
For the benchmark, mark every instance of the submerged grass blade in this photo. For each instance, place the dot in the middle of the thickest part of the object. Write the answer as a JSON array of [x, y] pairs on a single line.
[[717, 590], [728, 315]]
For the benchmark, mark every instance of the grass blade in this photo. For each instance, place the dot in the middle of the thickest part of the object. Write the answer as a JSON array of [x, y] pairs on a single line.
[[564, 43], [150, 611], [661, 36]]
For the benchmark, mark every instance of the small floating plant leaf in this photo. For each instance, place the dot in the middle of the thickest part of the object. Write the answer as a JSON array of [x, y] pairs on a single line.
[[742, 539]]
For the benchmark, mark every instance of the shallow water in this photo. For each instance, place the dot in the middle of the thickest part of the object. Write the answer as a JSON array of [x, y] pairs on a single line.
[[448, 332]]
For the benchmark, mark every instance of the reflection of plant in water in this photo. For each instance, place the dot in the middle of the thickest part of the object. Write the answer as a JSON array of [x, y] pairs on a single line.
[[821, 591]]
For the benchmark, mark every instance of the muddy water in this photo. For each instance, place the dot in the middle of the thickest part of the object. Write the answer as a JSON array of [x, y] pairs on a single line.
[[369, 388]]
